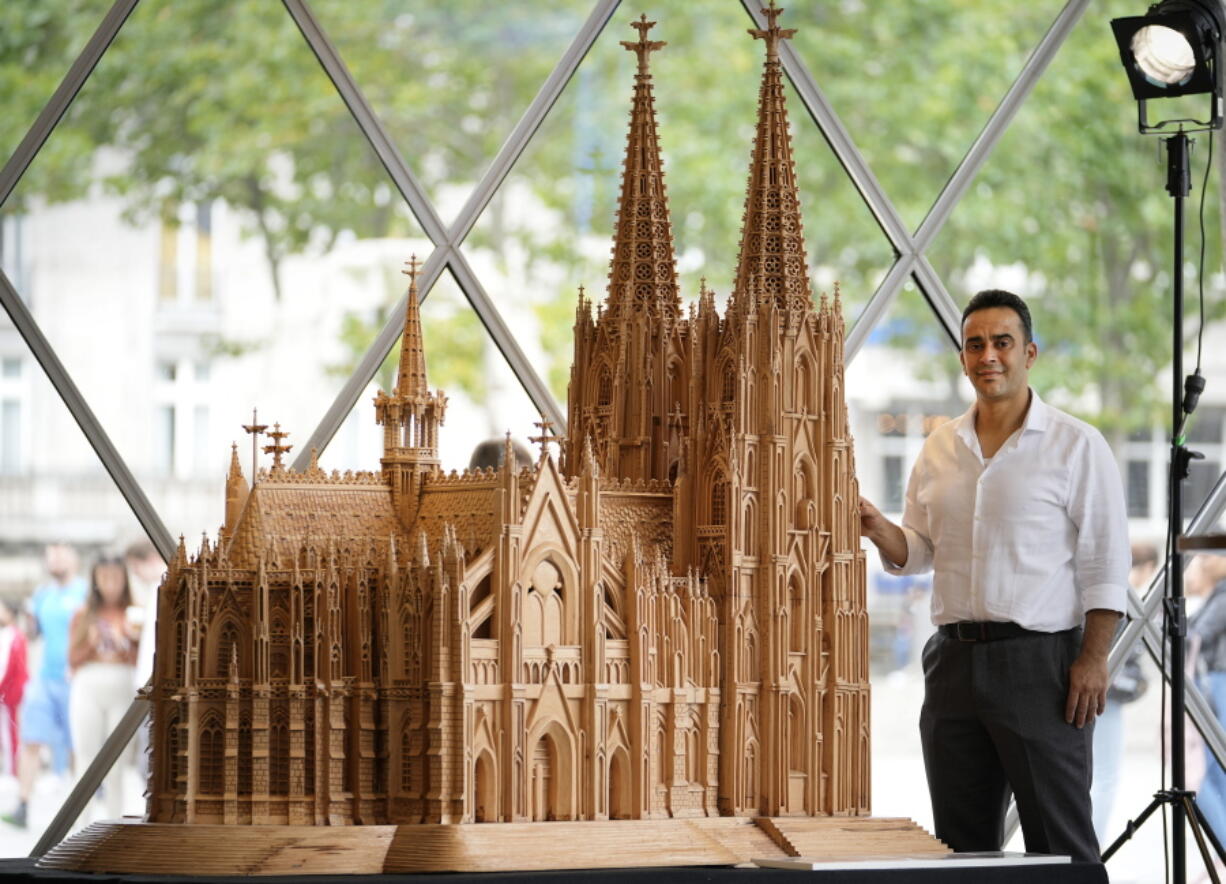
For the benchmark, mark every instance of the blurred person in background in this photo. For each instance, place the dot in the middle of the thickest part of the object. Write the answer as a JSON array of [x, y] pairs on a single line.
[[145, 571], [1207, 657], [14, 673], [146, 568], [44, 710], [1128, 685], [102, 655]]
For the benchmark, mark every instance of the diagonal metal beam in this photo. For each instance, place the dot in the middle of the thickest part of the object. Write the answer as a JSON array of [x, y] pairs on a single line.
[[84, 416], [1206, 515], [531, 121], [992, 131], [83, 791], [406, 182], [839, 139], [862, 178], [60, 100], [870, 190], [877, 307], [538, 392], [948, 313], [446, 240]]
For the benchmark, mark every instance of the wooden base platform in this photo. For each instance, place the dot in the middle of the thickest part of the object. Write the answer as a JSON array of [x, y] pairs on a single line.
[[135, 847]]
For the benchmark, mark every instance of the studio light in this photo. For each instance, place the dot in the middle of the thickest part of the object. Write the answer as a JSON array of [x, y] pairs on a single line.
[[1173, 50], [1176, 49]]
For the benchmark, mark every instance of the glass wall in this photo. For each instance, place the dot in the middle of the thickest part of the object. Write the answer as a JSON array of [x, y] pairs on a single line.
[[208, 232]]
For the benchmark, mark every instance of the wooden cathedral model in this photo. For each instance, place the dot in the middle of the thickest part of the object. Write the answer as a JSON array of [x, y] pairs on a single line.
[[670, 623]]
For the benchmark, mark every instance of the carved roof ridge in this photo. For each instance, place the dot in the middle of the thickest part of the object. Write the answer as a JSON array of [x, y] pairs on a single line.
[[314, 475]]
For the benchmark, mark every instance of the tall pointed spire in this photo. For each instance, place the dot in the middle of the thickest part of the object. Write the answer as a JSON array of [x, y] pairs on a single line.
[[411, 376], [643, 271], [772, 240]]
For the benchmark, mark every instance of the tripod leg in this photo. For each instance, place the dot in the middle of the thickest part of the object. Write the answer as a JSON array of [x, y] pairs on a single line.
[[1191, 812], [1196, 814], [1132, 825]]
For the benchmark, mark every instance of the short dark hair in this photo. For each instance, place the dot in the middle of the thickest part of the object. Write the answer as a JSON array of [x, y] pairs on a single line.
[[1000, 298], [490, 453]]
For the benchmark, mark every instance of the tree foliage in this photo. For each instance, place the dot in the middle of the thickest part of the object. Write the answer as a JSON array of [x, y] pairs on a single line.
[[207, 101]]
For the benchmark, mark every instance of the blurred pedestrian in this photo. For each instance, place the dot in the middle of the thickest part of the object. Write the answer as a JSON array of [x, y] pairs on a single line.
[[1207, 656], [44, 710], [102, 656], [1127, 686], [14, 673], [145, 571]]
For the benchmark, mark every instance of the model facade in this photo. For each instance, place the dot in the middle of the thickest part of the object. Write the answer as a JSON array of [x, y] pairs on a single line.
[[670, 623]]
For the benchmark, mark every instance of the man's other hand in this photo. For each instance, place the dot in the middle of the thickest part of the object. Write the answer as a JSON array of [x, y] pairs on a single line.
[[1087, 689], [1087, 677], [871, 519]]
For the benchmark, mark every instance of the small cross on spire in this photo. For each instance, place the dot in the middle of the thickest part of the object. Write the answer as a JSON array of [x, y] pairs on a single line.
[[255, 429], [411, 273], [643, 47], [545, 425], [276, 449], [772, 34]]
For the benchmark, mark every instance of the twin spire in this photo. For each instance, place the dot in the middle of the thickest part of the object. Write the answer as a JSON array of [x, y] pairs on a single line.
[[643, 275], [772, 256], [771, 263]]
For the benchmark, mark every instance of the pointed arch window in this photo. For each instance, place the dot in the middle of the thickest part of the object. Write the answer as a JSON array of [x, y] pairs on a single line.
[[227, 642], [212, 755], [719, 502], [729, 383], [604, 395], [172, 754], [278, 755], [244, 755]]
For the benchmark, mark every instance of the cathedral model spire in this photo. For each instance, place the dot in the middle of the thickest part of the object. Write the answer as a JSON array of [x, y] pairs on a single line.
[[643, 275], [411, 375], [411, 415], [772, 256], [634, 342]]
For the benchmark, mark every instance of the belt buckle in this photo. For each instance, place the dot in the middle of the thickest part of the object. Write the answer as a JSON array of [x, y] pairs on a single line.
[[974, 633]]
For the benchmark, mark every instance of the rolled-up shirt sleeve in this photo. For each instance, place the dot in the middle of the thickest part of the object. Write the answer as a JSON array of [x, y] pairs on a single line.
[[915, 529], [1096, 507]]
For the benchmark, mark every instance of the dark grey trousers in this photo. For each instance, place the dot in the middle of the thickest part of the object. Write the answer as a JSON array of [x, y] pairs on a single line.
[[993, 723]]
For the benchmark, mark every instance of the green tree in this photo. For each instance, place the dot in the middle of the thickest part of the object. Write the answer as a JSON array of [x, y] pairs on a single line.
[[209, 101]]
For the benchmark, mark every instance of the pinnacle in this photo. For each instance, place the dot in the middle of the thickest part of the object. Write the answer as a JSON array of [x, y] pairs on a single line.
[[411, 376]]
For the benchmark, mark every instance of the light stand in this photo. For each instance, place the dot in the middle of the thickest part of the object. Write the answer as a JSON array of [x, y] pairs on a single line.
[[1174, 50], [1181, 800]]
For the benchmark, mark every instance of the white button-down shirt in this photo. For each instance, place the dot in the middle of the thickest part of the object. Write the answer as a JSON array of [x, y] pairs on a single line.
[[1037, 534]]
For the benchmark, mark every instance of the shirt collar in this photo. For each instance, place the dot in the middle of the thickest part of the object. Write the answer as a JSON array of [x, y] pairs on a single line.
[[1036, 420]]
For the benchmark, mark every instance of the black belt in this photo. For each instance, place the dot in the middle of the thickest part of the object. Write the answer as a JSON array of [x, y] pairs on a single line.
[[985, 630]]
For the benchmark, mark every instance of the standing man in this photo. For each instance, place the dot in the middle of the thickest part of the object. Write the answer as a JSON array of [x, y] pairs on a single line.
[[1019, 511]]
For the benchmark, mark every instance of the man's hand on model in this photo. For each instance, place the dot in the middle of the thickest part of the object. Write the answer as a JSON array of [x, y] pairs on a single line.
[[1087, 677], [884, 534]]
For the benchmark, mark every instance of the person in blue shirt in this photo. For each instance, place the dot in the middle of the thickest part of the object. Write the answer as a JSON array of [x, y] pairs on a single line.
[[44, 710]]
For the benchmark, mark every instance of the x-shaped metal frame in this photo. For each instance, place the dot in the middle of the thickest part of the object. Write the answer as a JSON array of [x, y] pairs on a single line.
[[910, 263]]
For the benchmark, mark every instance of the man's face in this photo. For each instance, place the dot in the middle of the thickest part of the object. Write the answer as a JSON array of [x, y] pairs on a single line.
[[995, 355]]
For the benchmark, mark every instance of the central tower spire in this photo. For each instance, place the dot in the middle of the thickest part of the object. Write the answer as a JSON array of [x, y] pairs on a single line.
[[411, 415], [772, 257]]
